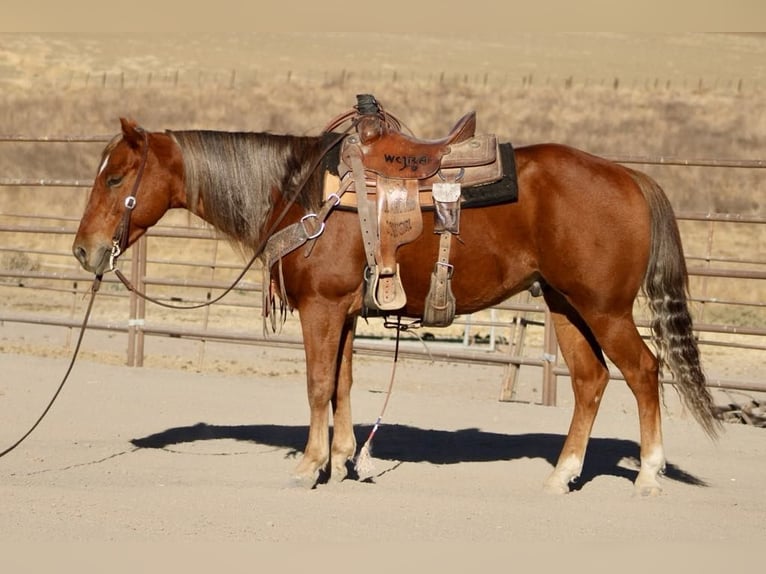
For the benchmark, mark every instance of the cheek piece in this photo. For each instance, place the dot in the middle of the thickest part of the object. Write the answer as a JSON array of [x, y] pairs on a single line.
[[122, 233]]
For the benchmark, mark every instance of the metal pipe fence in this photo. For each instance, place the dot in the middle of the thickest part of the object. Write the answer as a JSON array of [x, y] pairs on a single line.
[[516, 333]]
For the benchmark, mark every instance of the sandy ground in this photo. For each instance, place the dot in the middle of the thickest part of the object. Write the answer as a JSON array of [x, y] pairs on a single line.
[[151, 454]]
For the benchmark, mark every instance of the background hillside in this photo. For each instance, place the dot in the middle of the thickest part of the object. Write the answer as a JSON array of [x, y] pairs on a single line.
[[689, 95]]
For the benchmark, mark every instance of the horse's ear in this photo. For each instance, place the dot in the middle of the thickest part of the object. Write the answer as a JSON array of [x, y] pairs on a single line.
[[131, 132]]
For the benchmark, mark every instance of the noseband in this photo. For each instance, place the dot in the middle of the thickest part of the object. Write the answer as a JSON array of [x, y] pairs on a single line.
[[122, 233]]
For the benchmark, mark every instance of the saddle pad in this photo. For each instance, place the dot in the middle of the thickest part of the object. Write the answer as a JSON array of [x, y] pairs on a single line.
[[504, 190]]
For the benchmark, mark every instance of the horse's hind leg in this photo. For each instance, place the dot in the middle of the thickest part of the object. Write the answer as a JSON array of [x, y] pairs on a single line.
[[622, 343], [640, 368], [589, 378]]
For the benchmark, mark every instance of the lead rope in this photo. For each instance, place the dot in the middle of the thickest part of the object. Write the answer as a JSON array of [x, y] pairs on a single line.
[[363, 464], [94, 289]]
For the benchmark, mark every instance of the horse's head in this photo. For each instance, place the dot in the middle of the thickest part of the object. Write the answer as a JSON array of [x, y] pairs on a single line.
[[135, 185]]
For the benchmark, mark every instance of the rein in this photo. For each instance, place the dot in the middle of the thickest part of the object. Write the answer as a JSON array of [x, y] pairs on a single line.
[[121, 239], [94, 289]]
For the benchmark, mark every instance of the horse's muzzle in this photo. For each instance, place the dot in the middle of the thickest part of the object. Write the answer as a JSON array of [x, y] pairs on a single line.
[[95, 260]]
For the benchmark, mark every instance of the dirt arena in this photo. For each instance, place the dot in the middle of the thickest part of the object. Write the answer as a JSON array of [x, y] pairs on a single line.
[[160, 454]]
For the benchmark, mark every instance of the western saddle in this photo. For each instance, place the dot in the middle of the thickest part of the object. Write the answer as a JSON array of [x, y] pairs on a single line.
[[397, 172], [390, 178]]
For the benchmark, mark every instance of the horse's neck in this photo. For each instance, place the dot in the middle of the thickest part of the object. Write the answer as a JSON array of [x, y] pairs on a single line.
[[230, 177]]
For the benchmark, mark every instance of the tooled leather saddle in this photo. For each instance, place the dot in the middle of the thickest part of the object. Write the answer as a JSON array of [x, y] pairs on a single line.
[[390, 179], [401, 177]]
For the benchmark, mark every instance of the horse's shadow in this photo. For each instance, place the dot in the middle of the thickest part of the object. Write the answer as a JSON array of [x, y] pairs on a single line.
[[402, 443]]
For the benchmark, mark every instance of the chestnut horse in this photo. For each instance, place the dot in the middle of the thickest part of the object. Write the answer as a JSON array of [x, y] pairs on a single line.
[[591, 232]]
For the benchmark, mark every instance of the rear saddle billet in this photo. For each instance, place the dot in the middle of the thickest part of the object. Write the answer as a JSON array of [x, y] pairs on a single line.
[[397, 171]]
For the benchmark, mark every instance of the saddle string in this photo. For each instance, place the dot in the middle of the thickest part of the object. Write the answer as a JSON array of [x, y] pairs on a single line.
[[94, 288]]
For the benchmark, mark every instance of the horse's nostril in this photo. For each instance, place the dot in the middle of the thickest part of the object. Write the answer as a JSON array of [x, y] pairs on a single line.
[[80, 253]]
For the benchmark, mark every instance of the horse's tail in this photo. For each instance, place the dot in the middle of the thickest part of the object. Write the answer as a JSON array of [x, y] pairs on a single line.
[[666, 290]]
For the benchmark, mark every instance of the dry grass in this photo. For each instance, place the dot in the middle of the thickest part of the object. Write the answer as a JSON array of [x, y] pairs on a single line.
[[601, 120]]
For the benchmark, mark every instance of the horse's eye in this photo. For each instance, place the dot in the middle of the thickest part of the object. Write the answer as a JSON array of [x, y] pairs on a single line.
[[114, 180]]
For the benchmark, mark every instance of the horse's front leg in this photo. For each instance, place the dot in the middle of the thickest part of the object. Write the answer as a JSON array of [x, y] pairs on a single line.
[[322, 326], [343, 439]]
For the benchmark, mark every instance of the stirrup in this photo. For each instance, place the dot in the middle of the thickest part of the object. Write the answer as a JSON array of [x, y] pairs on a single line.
[[384, 292]]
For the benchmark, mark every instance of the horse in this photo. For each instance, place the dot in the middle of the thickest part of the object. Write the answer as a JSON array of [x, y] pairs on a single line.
[[589, 233]]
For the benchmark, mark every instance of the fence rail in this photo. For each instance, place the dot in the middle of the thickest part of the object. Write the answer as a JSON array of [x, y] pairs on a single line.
[[232, 78], [51, 269]]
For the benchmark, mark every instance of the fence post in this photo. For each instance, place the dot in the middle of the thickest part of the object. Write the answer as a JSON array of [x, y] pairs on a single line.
[[137, 311], [550, 354], [141, 315]]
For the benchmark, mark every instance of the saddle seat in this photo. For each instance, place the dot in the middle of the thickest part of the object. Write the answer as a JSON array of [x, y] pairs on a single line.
[[391, 153]]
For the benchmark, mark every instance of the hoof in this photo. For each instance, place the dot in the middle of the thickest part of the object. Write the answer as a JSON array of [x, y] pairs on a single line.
[[555, 487], [339, 473], [305, 475], [302, 481], [646, 485], [648, 491]]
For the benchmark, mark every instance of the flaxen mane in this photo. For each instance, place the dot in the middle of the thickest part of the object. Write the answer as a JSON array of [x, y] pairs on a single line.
[[235, 174]]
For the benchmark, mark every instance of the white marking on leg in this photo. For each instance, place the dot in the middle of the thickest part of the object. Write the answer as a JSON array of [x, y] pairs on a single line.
[[654, 463], [565, 472], [570, 468], [651, 466]]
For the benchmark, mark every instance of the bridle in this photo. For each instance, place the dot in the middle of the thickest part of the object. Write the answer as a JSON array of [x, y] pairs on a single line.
[[121, 235]]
